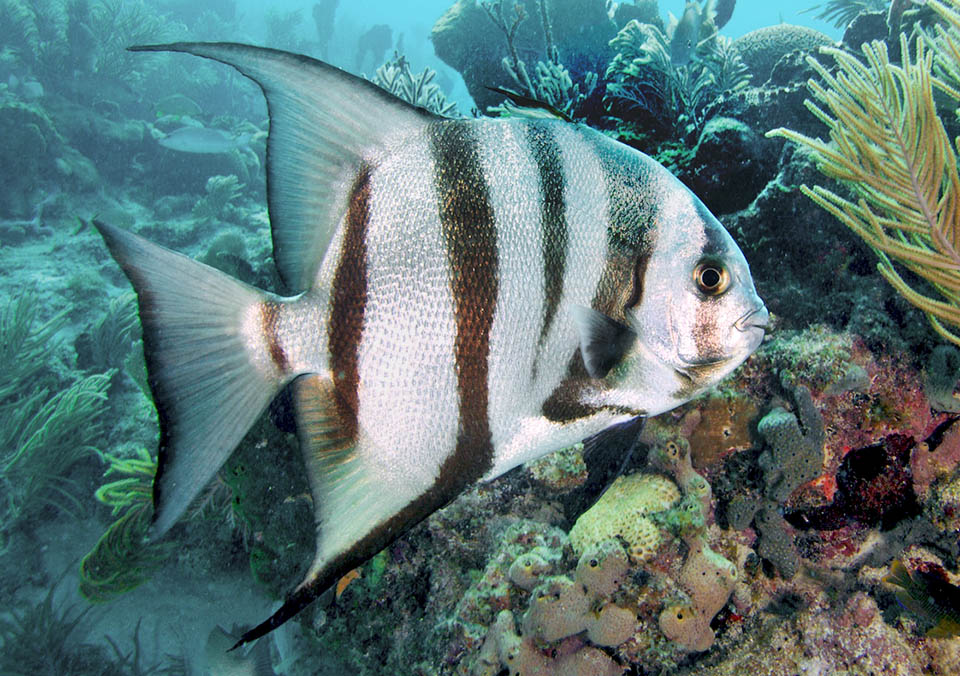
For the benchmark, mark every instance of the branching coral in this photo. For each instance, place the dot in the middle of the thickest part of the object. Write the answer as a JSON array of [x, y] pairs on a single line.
[[420, 90], [842, 12], [117, 24], [551, 83], [890, 147], [38, 29], [221, 191]]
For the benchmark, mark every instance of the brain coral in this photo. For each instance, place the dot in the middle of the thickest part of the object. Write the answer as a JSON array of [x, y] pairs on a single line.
[[623, 511], [762, 48]]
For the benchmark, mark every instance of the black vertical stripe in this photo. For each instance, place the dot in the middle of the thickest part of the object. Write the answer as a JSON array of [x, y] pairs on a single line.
[[349, 302], [270, 325], [469, 231], [553, 233]]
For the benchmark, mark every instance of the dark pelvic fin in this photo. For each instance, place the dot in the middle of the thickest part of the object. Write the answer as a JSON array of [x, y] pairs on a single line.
[[324, 124], [208, 385], [606, 455], [603, 341]]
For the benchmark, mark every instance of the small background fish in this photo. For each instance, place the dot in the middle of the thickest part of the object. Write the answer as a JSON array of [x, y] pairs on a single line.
[[927, 593]]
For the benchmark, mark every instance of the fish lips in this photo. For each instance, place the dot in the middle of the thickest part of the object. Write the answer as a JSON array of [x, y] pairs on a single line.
[[755, 323]]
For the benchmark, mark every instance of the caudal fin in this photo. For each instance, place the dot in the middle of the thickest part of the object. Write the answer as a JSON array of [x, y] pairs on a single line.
[[209, 363]]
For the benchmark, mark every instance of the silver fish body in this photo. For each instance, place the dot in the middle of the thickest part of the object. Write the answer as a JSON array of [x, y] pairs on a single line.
[[471, 294], [203, 140]]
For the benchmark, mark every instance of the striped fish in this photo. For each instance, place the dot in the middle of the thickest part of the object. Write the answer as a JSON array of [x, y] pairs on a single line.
[[467, 295]]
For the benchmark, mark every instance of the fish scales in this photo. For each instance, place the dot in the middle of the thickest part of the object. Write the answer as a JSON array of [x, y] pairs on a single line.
[[472, 295]]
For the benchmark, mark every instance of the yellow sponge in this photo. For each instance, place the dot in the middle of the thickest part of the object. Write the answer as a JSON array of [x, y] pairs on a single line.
[[622, 512]]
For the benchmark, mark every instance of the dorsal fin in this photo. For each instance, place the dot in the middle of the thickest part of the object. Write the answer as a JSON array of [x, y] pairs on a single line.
[[324, 122]]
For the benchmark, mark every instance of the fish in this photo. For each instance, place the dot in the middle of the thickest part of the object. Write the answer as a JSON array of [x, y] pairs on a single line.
[[345, 581], [177, 105], [219, 660], [683, 43], [203, 140], [722, 12], [930, 595], [462, 296]]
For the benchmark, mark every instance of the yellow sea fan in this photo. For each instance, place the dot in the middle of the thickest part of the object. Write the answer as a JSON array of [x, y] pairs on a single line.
[[889, 145]]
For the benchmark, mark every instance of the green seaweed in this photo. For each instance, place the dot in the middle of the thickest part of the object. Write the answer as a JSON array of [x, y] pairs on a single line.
[[105, 345], [43, 638], [42, 435], [122, 559]]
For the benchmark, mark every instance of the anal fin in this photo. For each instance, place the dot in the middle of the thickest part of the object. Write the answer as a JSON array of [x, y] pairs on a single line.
[[327, 431], [358, 508]]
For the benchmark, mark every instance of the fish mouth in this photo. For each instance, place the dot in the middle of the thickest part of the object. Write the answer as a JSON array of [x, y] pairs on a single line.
[[757, 318]]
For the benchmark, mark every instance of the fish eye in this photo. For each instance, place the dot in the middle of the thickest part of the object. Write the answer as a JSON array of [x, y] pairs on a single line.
[[711, 278]]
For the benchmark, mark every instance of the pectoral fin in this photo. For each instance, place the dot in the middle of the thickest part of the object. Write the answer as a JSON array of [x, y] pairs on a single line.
[[603, 341]]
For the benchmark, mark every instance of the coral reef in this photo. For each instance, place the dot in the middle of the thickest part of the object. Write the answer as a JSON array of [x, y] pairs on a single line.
[[28, 155], [831, 452], [728, 152]]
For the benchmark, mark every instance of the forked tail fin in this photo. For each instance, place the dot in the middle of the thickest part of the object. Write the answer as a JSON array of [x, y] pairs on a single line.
[[211, 363]]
